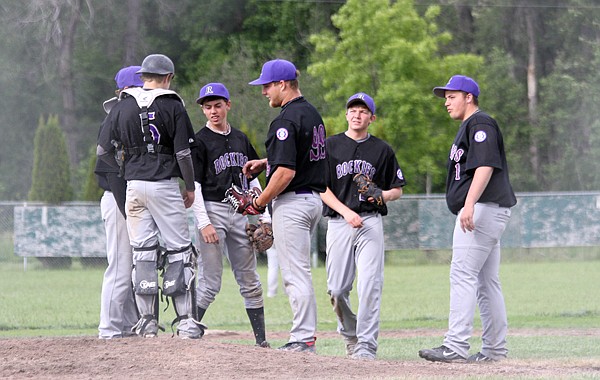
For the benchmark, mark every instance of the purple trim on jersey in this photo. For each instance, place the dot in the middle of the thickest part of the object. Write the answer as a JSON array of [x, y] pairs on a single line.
[[218, 161], [303, 149], [467, 154], [347, 157]]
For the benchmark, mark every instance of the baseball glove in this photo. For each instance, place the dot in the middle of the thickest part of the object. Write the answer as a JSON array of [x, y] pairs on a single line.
[[260, 236], [242, 200], [368, 189]]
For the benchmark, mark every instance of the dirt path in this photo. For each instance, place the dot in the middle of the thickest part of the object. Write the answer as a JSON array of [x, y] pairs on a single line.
[[163, 357]]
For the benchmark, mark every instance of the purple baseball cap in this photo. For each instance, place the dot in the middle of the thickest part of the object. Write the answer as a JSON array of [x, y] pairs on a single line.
[[216, 90], [458, 83], [361, 97], [274, 71], [128, 77]]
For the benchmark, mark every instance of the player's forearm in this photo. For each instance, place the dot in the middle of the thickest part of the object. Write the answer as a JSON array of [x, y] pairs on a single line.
[[391, 194], [329, 198], [199, 209], [481, 178], [279, 180], [184, 159]]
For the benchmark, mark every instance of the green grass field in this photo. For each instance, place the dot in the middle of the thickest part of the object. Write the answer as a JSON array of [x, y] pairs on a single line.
[[553, 296]]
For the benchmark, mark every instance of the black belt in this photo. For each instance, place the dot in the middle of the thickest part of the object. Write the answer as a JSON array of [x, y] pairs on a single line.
[[303, 190]]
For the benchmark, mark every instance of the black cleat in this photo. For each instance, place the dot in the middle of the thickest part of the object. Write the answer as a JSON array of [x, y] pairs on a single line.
[[479, 357], [299, 347], [441, 354]]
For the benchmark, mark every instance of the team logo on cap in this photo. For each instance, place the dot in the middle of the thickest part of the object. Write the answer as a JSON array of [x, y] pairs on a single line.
[[480, 136], [209, 90], [282, 134]]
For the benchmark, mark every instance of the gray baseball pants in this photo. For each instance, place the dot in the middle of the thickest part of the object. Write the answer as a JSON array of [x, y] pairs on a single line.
[[235, 246], [118, 313], [352, 252], [474, 279], [156, 208], [295, 218]]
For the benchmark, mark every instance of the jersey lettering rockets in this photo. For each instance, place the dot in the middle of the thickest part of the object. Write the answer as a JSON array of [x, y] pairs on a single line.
[[478, 143], [296, 140], [123, 124], [218, 161], [347, 157]]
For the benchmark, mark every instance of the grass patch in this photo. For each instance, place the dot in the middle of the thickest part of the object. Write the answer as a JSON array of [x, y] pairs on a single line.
[[549, 295]]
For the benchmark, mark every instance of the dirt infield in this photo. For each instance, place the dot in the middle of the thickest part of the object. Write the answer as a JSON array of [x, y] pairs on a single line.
[[210, 357]]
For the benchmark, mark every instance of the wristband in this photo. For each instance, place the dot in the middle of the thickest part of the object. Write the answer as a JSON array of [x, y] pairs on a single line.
[[257, 206]]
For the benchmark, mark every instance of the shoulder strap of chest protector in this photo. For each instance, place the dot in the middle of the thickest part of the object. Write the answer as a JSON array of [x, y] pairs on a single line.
[[144, 99]]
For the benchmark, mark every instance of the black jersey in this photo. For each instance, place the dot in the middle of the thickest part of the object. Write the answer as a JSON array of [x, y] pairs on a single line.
[[219, 159], [102, 168], [296, 140], [478, 143], [171, 130], [347, 157]]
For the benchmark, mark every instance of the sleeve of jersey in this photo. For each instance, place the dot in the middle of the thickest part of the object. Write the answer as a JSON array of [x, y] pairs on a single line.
[[393, 174], [184, 131], [105, 134], [202, 219], [483, 148], [281, 145]]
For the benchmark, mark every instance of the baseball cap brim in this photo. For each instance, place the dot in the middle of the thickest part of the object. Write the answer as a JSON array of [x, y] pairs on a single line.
[[441, 91]]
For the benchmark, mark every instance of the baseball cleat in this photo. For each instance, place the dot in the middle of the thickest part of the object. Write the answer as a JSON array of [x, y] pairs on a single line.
[[299, 347], [479, 357], [350, 345], [441, 354], [264, 344], [362, 356]]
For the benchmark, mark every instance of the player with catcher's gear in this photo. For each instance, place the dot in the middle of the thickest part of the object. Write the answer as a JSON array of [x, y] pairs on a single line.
[[157, 135], [223, 195], [362, 176]]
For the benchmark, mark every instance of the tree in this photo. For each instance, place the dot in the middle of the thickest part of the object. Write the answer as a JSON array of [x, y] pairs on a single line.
[[51, 179], [91, 190], [387, 50]]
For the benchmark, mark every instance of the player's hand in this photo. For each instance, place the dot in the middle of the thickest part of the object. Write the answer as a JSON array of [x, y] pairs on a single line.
[[209, 235], [188, 198], [466, 218], [353, 219], [254, 166]]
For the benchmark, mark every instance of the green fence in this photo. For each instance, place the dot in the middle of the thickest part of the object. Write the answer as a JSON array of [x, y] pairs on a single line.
[[539, 220]]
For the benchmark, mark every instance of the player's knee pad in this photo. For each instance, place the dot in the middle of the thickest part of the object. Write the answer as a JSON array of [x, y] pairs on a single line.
[[179, 273], [145, 271]]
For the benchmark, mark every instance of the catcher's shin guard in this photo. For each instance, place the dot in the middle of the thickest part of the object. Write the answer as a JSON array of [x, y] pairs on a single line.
[[145, 285], [181, 287]]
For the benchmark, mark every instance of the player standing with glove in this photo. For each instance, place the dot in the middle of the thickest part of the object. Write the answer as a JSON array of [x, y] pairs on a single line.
[[362, 176], [294, 166], [222, 152], [478, 191]]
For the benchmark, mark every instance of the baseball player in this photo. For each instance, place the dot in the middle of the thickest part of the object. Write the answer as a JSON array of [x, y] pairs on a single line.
[[150, 135], [478, 191], [218, 161], [118, 313], [295, 165], [355, 229]]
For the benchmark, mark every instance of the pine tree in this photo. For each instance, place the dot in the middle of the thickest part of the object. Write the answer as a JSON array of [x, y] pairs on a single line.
[[51, 178]]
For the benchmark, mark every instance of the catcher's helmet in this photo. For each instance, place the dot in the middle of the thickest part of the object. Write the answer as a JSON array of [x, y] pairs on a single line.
[[157, 64]]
